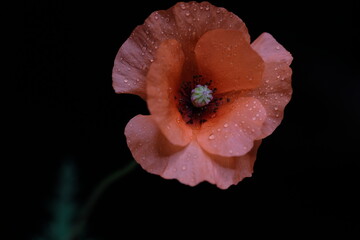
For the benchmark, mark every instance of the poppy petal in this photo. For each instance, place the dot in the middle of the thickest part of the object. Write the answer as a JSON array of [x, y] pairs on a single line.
[[163, 81], [227, 58], [190, 165], [231, 170], [185, 22], [232, 131], [276, 91]]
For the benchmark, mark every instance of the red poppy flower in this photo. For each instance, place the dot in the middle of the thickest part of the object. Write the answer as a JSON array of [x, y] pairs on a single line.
[[211, 93]]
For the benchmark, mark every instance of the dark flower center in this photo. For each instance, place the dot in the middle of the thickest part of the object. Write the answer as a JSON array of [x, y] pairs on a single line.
[[198, 101]]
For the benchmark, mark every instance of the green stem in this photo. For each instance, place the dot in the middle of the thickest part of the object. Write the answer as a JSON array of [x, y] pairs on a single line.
[[99, 190]]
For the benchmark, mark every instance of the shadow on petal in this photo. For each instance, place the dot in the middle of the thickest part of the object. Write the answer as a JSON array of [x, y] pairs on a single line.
[[227, 58]]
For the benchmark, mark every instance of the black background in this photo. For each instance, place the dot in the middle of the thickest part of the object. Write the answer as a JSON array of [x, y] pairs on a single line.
[[306, 176]]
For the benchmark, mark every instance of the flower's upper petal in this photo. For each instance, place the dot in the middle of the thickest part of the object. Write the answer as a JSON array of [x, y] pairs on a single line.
[[185, 22], [276, 91], [234, 128], [190, 164], [163, 81], [227, 58]]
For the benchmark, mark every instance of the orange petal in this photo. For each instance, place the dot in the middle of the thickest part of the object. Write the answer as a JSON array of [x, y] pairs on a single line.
[[190, 165], [276, 91], [234, 129], [163, 82], [227, 58], [185, 22]]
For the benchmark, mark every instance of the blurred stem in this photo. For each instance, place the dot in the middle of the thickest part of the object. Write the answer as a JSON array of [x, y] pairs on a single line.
[[99, 190]]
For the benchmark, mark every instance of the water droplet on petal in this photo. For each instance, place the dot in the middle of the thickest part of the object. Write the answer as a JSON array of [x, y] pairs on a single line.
[[212, 137], [125, 80], [183, 167], [226, 125]]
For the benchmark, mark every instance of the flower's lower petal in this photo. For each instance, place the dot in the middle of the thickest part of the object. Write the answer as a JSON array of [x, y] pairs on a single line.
[[227, 58], [231, 170], [148, 145], [163, 82], [190, 164], [234, 128], [185, 22], [276, 91]]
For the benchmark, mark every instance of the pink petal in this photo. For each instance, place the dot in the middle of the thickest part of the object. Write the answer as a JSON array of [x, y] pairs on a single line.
[[190, 165], [276, 91], [163, 81], [231, 170], [234, 129], [184, 22]]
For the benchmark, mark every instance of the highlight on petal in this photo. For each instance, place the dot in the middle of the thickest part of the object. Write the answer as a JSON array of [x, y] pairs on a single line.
[[276, 91], [163, 81], [234, 129], [185, 22], [227, 58], [190, 165], [270, 50]]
